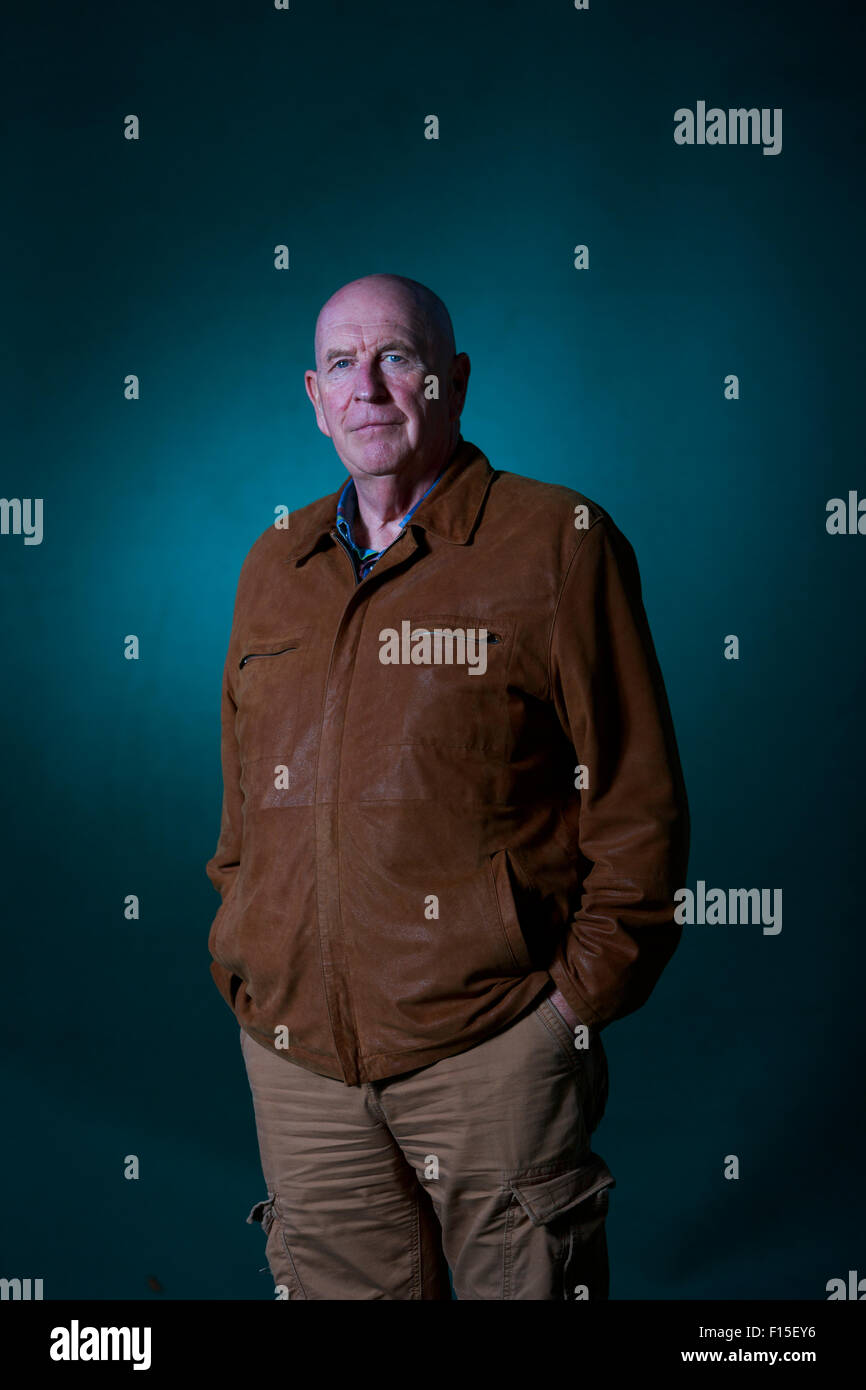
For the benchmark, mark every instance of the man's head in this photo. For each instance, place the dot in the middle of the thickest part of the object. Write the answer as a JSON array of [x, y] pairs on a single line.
[[379, 340]]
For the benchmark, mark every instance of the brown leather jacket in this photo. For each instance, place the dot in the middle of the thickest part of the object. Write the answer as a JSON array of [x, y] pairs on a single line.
[[405, 859]]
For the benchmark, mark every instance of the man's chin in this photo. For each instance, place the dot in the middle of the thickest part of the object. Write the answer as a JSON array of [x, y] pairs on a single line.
[[376, 453]]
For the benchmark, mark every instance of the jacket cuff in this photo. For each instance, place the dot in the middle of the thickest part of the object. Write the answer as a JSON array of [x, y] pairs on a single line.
[[583, 1011]]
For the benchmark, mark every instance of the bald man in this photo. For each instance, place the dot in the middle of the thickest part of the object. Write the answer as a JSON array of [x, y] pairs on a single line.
[[453, 824]]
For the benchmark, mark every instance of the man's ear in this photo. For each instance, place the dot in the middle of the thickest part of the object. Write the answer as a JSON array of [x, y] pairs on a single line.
[[458, 378], [311, 382]]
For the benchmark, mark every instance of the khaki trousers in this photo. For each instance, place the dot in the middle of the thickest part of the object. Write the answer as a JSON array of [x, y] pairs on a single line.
[[480, 1163]]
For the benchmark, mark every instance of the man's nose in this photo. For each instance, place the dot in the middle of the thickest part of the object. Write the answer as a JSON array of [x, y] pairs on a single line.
[[369, 382]]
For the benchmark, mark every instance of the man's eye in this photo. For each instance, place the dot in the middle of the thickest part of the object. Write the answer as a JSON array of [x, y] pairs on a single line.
[[339, 360], [397, 355]]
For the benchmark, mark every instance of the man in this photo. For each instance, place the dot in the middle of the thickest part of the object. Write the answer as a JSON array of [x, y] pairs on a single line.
[[453, 823]]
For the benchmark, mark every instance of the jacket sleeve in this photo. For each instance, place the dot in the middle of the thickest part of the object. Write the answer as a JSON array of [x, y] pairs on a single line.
[[222, 868], [610, 699]]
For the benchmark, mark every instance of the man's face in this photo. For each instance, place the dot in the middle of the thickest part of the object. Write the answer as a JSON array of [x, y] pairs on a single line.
[[374, 355]]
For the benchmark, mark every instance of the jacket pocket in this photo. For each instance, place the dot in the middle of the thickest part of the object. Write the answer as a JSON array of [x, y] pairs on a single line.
[[219, 919], [448, 687], [503, 878], [291, 646], [268, 678]]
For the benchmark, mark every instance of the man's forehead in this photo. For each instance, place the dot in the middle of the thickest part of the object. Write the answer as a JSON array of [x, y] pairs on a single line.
[[377, 325], [338, 335]]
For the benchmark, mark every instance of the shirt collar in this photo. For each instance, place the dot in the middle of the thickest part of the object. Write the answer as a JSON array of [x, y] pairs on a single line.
[[449, 512], [347, 510]]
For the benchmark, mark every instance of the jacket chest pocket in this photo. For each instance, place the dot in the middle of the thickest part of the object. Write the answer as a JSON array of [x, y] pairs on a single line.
[[267, 691], [447, 676]]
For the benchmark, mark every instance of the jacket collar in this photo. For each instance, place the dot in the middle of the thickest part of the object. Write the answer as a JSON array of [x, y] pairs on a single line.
[[450, 511]]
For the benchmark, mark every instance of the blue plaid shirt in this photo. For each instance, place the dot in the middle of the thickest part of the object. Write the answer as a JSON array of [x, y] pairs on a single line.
[[347, 506]]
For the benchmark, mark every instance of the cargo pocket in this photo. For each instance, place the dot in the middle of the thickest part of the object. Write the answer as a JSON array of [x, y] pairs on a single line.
[[556, 1242], [277, 1251]]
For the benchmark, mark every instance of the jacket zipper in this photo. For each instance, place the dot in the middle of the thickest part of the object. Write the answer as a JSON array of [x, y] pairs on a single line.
[[251, 656], [491, 636], [335, 535], [348, 1043]]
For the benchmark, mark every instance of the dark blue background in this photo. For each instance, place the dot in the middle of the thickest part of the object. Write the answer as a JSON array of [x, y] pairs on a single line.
[[156, 257]]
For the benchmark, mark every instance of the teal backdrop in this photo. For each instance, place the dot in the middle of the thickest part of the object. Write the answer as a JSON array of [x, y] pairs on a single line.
[[156, 257]]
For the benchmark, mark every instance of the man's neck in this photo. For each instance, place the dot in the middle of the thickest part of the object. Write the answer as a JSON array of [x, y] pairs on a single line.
[[383, 502]]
